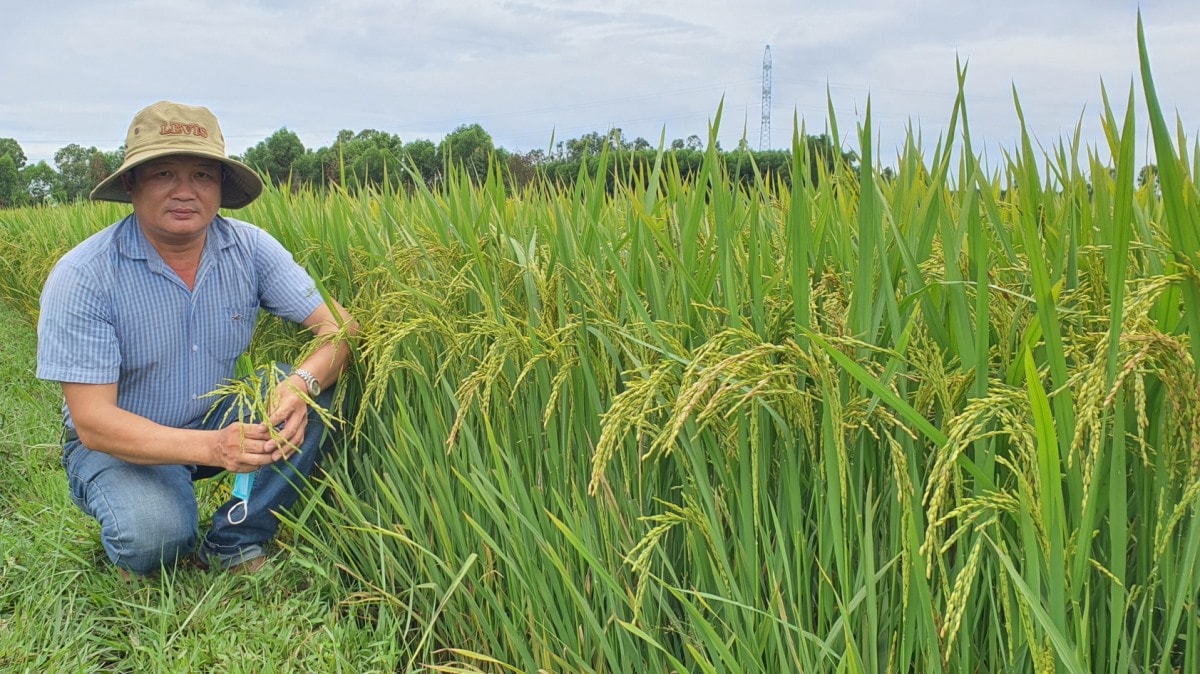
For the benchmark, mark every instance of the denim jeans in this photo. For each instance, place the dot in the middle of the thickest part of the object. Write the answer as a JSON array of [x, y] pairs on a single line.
[[149, 517]]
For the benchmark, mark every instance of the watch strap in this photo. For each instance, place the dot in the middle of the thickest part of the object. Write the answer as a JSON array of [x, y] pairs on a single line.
[[310, 380]]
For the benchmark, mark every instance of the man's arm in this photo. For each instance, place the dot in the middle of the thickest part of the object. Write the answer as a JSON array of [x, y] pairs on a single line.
[[326, 363], [104, 427]]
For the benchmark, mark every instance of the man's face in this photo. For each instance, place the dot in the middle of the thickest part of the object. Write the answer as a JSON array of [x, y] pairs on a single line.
[[176, 197]]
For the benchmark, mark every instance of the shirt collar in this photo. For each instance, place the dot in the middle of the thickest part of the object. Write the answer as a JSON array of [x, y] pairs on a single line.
[[133, 244]]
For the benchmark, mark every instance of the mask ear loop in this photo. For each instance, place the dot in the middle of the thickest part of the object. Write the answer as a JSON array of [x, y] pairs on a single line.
[[241, 507]]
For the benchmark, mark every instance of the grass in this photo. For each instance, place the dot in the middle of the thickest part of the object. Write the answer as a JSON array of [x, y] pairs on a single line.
[[63, 608]]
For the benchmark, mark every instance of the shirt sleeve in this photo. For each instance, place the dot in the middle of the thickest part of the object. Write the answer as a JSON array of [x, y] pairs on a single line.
[[285, 288], [76, 338]]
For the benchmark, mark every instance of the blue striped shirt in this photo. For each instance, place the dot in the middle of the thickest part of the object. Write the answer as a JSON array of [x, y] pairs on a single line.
[[112, 311]]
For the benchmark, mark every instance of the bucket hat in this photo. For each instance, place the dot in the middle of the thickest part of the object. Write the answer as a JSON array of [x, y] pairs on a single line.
[[167, 128]]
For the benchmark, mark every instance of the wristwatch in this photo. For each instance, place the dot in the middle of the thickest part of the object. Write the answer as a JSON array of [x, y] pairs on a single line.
[[314, 384]]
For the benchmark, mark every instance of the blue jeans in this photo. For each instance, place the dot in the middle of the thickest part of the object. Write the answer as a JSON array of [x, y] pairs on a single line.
[[149, 517]]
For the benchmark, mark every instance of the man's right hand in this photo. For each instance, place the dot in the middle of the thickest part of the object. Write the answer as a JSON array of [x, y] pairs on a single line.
[[242, 448]]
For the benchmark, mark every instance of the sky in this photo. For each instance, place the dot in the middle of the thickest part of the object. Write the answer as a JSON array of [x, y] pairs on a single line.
[[535, 71]]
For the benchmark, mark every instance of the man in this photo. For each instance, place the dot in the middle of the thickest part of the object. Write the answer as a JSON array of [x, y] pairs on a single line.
[[143, 319]]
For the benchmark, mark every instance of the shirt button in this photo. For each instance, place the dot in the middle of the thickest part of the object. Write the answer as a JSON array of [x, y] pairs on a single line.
[[195, 348]]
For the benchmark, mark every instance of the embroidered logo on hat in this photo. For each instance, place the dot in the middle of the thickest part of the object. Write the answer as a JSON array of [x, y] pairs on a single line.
[[177, 128]]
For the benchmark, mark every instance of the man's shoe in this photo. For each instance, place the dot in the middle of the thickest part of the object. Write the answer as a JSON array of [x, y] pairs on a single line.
[[250, 566], [247, 567]]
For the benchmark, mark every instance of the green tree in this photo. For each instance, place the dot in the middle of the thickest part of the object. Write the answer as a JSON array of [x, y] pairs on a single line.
[[39, 180], [375, 139], [470, 147], [366, 156], [80, 169], [12, 159], [524, 169], [590, 144], [823, 157], [583, 146], [326, 167], [307, 170], [276, 156], [378, 156], [10, 147], [112, 161], [376, 166], [422, 155], [10, 183]]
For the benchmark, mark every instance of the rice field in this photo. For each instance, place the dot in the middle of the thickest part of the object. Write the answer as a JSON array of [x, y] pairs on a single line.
[[944, 421]]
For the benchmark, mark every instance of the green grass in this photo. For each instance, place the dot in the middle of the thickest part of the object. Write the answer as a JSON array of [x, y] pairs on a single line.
[[63, 608]]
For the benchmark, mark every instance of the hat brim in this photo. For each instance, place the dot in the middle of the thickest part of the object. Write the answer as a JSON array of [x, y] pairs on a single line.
[[240, 185]]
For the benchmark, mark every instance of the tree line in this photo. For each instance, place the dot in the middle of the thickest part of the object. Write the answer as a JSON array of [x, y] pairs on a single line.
[[381, 160], [75, 172]]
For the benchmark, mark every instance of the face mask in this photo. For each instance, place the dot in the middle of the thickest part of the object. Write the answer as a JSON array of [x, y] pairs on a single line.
[[242, 484]]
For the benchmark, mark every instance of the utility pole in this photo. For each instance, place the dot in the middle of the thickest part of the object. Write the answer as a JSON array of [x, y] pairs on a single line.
[[764, 133]]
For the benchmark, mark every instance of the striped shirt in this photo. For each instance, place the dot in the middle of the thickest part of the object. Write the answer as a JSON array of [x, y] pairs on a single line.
[[112, 311]]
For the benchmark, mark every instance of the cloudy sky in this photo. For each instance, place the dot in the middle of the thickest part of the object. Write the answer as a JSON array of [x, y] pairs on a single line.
[[530, 70]]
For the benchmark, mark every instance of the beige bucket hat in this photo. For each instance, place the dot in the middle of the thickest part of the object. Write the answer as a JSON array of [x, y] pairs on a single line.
[[167, 128]]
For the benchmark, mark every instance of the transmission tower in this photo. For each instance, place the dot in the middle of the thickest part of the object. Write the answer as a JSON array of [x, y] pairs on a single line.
[[764, 134]]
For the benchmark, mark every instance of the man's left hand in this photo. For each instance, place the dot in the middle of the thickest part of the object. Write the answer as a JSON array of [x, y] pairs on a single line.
[[289, 414]]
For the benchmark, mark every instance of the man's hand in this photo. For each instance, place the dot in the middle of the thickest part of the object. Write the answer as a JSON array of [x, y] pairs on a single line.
[[242, 448], [289, 414]]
